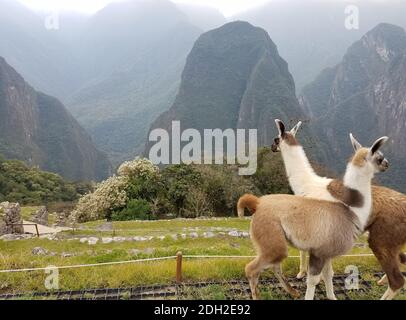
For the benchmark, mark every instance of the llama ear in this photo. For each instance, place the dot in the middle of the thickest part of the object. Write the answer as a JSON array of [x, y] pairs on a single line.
[[281, 127], [296, 128], [378, 144], [355, 144]]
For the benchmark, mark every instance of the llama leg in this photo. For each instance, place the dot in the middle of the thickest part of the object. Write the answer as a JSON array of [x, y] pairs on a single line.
[[316, 265], [395, 279], [303, 265], [402, 258], [327, 275], [383, 281], [312, 282], [390, 294], [390, 262], [252, 271], [386, 294], [273, 249], [277, 269]]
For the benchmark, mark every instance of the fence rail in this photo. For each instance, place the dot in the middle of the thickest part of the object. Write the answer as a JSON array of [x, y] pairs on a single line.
[[24, 224], [235, 289], [179, 258]]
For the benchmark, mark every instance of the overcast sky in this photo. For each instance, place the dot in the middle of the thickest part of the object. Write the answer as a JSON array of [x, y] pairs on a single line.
[[227, 7]]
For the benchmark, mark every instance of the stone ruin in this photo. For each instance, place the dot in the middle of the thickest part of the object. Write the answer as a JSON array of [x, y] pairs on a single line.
[[62, 219], [10, 213], [41, 216]]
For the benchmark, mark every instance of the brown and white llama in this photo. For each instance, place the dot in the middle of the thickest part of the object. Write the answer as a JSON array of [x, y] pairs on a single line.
[[387, 223], [326, 229]]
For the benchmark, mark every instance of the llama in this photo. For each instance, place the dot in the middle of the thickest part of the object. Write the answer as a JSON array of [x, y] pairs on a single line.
[[387, 224], [324, 228]]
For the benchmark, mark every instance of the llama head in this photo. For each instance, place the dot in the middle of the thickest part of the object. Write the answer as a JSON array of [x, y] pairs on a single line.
[[285, 138], [370, 159]]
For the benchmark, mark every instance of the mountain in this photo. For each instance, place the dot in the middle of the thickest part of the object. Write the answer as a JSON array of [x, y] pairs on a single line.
[[364, 94], [205, 18], [115, 71], [234, 78], [133, 55], [37, 53], [37, 129], [311, 35]]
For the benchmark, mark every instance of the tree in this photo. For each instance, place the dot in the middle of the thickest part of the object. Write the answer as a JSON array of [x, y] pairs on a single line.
[[178, 180], [270, 177], [197, 204]]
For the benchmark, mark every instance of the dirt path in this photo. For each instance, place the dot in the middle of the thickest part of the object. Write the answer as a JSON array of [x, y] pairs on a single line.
[[42, 229]]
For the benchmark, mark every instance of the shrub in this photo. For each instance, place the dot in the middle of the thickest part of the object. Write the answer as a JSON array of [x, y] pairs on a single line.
[[20, 183], [136, 209], [224, 186], [270, 177], [177, 181], [197, 204], [136, 180], [109, 196], [139, 168], [141, 191]]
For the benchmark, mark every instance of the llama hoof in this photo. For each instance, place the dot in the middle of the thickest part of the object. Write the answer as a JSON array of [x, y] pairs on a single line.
[[301, 275], [256, 295], [390, 294], [295, 294], [333, 298], [383, 281]]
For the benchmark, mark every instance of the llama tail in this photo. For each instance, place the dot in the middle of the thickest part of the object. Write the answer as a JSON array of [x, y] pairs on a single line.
[[247, 201]]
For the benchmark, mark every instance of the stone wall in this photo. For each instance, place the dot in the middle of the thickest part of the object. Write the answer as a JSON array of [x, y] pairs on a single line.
[[41, 216], [10, 213]]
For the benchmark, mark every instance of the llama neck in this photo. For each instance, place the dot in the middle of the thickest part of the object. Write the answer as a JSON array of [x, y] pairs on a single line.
[[298, 169], [360, 179]]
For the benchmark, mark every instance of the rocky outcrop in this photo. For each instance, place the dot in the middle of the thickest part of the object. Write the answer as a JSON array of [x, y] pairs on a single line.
[[366, 95], [37, 129], [41, 216], [62, 219], [10, 214], [234, 78]]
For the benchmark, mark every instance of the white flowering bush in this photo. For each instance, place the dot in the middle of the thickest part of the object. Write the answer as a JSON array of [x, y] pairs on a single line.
[[138, 168], [108, 196], [113, 193]]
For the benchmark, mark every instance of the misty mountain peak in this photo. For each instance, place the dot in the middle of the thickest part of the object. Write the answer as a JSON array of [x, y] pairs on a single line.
[[367, 59], [235, 34], [234, 78], [38, 129], [365, 93], [238, 28], [387, 40]]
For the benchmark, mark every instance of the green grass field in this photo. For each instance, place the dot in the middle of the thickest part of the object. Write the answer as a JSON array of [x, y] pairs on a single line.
[[68, 250]]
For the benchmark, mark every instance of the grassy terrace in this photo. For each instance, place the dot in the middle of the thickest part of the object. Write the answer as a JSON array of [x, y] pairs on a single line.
[[68, 250]]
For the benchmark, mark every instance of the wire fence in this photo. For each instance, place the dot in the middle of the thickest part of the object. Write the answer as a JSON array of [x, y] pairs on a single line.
[[157, 259], [234, 289]]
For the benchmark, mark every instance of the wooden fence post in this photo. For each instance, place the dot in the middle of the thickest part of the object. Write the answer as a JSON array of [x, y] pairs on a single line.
[[179, 267], [36, 229]]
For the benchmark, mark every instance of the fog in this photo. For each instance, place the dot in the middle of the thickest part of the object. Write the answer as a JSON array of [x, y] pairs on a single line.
[[227, 7]]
